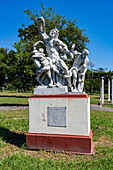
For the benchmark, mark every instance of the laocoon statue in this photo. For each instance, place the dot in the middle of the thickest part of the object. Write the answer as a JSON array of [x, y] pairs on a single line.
[[52, 71]]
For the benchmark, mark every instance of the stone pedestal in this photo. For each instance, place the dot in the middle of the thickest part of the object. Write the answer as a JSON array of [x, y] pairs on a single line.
[[60, 122], [43, 90]]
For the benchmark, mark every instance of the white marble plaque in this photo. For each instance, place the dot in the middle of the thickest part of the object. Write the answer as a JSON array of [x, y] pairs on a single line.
[[56, 116]]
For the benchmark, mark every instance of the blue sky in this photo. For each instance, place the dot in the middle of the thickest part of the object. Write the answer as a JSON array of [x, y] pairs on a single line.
[[96, 16]]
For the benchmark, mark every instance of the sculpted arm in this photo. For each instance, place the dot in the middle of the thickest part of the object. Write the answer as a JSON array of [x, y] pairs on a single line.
[[83, 67], [34, 46], [86, 61], [64, 49], [41, 28], [61, 44]]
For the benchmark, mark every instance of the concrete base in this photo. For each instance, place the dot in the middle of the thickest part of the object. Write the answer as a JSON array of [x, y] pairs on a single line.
[[69, 143], [60, 122], [67, 114], [44, 90]]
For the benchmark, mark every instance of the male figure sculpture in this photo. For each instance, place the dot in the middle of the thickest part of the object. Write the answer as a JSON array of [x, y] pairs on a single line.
[[79, 69], [53, 44], [42, 63], [53, 66]]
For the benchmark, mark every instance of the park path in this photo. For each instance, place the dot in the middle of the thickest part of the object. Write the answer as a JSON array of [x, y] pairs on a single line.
[[7, 108], [92, 107], [100, 108]]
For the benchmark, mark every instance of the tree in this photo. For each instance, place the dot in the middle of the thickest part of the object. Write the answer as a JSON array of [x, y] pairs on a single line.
[[69, 31], [3, 65], [24, 68]]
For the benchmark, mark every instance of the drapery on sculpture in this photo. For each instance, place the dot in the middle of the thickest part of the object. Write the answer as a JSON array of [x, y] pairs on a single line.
[[52, 70]]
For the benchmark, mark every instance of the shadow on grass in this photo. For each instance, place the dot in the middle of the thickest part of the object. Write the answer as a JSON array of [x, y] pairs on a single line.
[[16, 139]]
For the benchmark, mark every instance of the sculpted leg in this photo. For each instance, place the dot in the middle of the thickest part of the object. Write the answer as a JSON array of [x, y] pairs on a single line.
[[81, 83], [75, 80], [50, 77], [37, 64], [63, 66], [69, 83], [38, 78]]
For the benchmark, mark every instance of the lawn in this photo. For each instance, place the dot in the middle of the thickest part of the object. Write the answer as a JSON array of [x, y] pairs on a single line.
[[14, 153], [14, 98], [95, 98]]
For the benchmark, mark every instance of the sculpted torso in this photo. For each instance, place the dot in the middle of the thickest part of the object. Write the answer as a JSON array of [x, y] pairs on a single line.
[[52, 49]]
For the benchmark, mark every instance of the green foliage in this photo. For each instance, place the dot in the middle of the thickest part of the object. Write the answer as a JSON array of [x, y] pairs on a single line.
[[92, 82], [3, 65], [24, 68], [8, 63], [69, 32], [93, 79]]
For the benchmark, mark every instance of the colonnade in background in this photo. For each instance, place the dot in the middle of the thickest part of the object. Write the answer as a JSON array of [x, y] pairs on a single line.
[[109, 89]]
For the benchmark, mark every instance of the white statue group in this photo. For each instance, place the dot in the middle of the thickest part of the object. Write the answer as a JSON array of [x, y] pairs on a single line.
[[52, 71]]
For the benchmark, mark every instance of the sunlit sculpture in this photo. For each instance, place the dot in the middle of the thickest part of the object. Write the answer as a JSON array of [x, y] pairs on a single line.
[[52, 71], [59, 110]]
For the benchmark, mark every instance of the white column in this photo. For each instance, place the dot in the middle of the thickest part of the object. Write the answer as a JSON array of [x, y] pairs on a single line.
[[108, 89], [102, 91], [112, 91]]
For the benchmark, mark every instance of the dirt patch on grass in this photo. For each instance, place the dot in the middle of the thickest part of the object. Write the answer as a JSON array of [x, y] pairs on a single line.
[[105, 142]]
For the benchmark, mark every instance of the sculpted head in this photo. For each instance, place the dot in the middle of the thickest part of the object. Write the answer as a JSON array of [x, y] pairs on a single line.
[[85, 52], [41, 50], [54, 33]]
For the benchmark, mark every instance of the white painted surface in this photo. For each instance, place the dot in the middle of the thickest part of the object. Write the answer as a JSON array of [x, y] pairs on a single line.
[[54, 90], [108, 89], [77, 115], [102, 94], [112, 91]]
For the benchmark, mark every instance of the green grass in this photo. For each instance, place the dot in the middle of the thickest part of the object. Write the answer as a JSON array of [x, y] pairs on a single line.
[[109, 105], [15, 155], [102, 124], [95, 98], [9, 93], [13, 113], [20, 161], [14, 98]]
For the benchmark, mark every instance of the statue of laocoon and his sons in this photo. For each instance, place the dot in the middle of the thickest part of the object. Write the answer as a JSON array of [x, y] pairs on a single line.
[[52, 71]]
